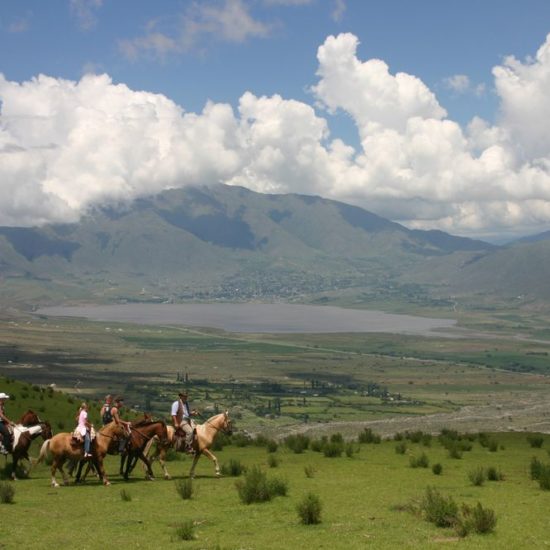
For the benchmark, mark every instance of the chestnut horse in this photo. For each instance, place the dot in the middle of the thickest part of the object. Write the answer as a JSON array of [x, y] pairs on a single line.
[[59, 446], [205, 435], [141, 433]]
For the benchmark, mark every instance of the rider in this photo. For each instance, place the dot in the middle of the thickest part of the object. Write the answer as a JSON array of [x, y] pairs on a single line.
[[84, 428], [115, 412], [106, 414], [181, 418], [6, 438]]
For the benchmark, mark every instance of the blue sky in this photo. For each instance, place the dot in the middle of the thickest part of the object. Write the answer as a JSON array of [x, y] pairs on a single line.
[[194, 52]]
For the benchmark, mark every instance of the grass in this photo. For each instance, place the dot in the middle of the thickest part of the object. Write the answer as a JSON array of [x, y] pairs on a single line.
[[358, 497]]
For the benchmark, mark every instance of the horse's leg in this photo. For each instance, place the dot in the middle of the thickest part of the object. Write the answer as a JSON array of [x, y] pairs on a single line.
[[162, 460], [150, 476], [78, 477], [55, 467], [98, 465], [195, 460], [213, 458], [123, 457], [14, 459]]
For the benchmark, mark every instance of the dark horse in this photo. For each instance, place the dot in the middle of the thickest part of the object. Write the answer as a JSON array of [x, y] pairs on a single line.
[[25, 431], [141, 433]]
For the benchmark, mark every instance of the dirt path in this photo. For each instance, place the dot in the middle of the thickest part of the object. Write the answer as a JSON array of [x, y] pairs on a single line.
[[523, 415]]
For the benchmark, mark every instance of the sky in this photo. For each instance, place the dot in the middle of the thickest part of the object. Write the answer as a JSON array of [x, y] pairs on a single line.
[[432, 113]]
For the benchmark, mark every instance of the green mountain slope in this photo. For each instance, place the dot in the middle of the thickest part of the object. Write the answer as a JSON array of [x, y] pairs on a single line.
[[221, 242]]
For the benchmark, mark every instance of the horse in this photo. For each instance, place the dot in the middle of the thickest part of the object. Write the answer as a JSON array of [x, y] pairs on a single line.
[[141, 433], [61, 449], [30, 418], [23, 437], [205, 435]]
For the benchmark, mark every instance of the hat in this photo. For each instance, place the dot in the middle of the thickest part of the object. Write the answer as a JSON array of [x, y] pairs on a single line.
[[182, 393], [4, 395]]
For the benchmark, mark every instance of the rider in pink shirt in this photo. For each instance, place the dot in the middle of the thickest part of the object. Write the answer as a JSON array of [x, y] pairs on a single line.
[[83, 428]]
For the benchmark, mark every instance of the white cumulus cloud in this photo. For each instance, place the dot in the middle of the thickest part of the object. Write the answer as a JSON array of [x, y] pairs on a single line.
[[66, 146]]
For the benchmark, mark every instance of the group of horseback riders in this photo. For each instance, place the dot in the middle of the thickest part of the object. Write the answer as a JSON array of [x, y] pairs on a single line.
[[181, 413]]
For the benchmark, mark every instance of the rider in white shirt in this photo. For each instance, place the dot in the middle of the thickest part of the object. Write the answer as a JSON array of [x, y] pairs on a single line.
[[182, 418]]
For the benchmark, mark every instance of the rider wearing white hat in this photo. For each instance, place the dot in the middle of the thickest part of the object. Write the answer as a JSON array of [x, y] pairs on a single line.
[[4, 423]]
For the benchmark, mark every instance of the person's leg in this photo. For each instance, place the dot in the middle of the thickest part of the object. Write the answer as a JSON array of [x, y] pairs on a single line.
[[188, 429], [6, 437], [87, 443]]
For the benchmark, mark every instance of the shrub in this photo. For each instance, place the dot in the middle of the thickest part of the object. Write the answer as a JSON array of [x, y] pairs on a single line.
[[309, 509], [277, 487], [494, 474], [536, 468], [421, 461], [184, 487], [241, 440], [427, 440], [309, 471], [437, 469], [173, 455], [415, 437], [349, 449], [401, 448], [398, 436], [257, 488], [477, 476], [368, 436], [478, 519], [493, 446], [186, 530], [483, 439], [437, 509], [535, 440], [544, 477], [272, 461], [333, 450], [297, 443], [125, 496], [455, 452], [233, 469], [7, 492], [336, 438], [317, 445], [271, 446]]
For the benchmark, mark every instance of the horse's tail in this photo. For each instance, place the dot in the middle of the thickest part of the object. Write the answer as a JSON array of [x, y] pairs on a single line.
[[44, 450]]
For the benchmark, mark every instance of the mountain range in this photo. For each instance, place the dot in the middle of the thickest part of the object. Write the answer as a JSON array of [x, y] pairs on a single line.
[[226, 242]]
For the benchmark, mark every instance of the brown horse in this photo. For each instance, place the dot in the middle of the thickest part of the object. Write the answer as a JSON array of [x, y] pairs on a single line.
[[205, 435], [61, 449], [141, 433], [23, 437]]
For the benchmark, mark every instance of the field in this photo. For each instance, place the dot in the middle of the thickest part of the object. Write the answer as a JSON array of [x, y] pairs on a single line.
[[278, 385], [366, 502]]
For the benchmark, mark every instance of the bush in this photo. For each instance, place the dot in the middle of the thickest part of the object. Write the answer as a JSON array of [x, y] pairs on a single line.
[[271, 446], [398, 436], [233, 469], [477, 476], [455, 452], [421, 461], [368, 436], [437, 509], [494, 474], [401, 448], [415, 437], [536, 468], [493, 446], [297, 443], [535, 441], [7, 492], [257, 488], [309, 471], [478, 519], [184, 487], [309, 509], [349, 449], [241, 440], [337, 438], [272, 461], [437, 469], [125, 496], [317, 445], [427, 440], [544, 478], [186, 530], [277, 487], [333, 450]]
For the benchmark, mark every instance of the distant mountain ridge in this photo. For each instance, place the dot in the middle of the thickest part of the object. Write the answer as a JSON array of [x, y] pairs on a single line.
[[229, 242]]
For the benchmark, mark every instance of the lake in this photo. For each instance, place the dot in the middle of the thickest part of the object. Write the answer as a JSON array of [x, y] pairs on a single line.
[[258, 318]]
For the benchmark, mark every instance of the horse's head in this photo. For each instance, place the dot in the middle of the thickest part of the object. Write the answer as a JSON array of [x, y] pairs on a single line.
[[227, 426], [46, 430], [30, 418]]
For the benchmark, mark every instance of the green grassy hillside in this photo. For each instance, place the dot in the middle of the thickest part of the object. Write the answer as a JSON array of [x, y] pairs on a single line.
[[370, 499]]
